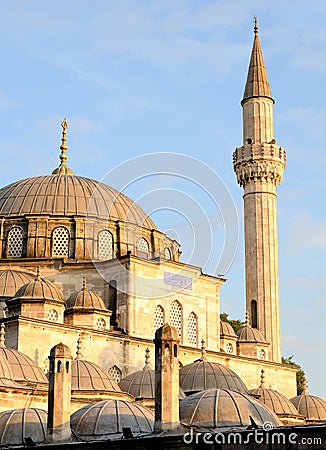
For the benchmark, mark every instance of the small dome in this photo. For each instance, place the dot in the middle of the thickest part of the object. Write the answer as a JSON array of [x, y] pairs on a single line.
[[88, 376], [5, 369], [227, 330], [12, 280], [274, 400], [311, 407], [105, 420], [40, 289], [202, 374], [23, 368], [85, 299], [141, 384], [249, 334], [18, 424], [217, 408]]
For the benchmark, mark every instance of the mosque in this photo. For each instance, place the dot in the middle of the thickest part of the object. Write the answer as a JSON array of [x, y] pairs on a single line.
[[87, 281]]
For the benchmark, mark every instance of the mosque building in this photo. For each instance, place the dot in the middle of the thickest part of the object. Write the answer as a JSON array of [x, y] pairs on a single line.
[[87, 281]]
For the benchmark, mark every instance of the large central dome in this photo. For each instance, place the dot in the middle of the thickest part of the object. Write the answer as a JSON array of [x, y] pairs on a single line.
[[69, 195]]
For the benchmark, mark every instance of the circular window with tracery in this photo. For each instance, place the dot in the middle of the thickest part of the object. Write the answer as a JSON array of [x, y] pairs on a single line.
[[229, 348], [262, 354], [101, 324], [53, 315]]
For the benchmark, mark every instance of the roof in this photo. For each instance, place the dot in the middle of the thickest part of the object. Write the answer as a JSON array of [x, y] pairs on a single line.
[[12, 280], [227, 330], [216, 408], [257, 84], [23, 368], [88, 376], [18, 424], [311, 407], [86, 299], [40, 289], [69, 195], [104, 420]]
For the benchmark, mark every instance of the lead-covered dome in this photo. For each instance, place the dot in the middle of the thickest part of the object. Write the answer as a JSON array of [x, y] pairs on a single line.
[[18, 424], [217, 408], [311, 407], [69, 195], [88, 376], [12, 280], [106, 420], [23, 368], [202, 374], [40, 289]]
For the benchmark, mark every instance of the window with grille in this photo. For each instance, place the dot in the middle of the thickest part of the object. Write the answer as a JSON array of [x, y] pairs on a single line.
[[158, 317], [53, 315], [261, 354], [142, 245], [105, 245], [60, 242], [101, 324], [192, 328], [176, 317], [167, 253], [115, 373], [229, 348], [15, 242]]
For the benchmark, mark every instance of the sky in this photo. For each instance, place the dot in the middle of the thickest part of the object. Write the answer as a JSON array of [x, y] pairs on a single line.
[[136, 78]]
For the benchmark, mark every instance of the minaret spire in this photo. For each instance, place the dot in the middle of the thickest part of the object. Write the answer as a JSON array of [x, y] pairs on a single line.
[[259, 166], [63, 169]]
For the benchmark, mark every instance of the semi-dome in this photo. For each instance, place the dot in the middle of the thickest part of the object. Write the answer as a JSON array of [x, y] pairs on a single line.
[[202, 374], [216, 408], [85, 299], [311, 407], [12, 280], [69, 195], [276, 402], [18, 424], [106, 420]]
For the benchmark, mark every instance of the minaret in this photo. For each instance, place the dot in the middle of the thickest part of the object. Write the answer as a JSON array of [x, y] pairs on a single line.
[[259, 165]]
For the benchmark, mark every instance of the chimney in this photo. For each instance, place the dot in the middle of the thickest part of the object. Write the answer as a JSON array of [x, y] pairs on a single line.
[[59, 395], [166, 378]]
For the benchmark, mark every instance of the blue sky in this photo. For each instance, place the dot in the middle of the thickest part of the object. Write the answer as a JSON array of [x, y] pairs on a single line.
[[137, 77]]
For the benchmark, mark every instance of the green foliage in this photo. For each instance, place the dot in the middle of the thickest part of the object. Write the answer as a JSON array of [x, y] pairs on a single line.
[[235, 324], [300, 374]]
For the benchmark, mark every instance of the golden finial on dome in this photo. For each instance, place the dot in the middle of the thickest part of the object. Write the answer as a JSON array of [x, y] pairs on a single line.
[[63, 169]]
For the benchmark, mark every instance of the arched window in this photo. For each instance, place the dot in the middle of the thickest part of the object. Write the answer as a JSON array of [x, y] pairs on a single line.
[[192, 328], [60, 242], [15, 242], [115, 373], [229, 348], [167, 253], [53, 315], [158, 317], [142, 245], [176, 317], [105, 245], [262, 354], [253, 315], [113, 301], [101, 324]]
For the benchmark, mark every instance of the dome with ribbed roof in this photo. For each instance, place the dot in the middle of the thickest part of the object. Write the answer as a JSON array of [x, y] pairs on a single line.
[[217, 408], [249, 334], [88, 376], [202, 374], [85, 299], [5, 369], [69, 195], [40, 289], [311, 407], [227, 330], [276, 401], [12, 280], [23, 368], [106, 420], [18, 424]]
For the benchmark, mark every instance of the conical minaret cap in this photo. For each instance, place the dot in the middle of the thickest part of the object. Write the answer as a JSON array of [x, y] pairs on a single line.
[[257, 84]]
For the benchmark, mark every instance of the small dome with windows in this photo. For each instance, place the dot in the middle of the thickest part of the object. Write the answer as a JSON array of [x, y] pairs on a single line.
[[39, 289], [202, 374], [106, 420], [85, 299]]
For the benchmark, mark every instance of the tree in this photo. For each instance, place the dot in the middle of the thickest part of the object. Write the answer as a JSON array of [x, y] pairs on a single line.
[[300, 374], [235, 324]]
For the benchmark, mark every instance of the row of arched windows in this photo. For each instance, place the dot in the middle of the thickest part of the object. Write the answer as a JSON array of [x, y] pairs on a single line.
[[177, 321], [61, 242]]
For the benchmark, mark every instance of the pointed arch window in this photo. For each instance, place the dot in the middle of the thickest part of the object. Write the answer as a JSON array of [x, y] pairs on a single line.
[[60, 242], [158, 317], [142, 245], [176, 317], [15, 242], [115, 373], [105, 245], [192, 328]]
